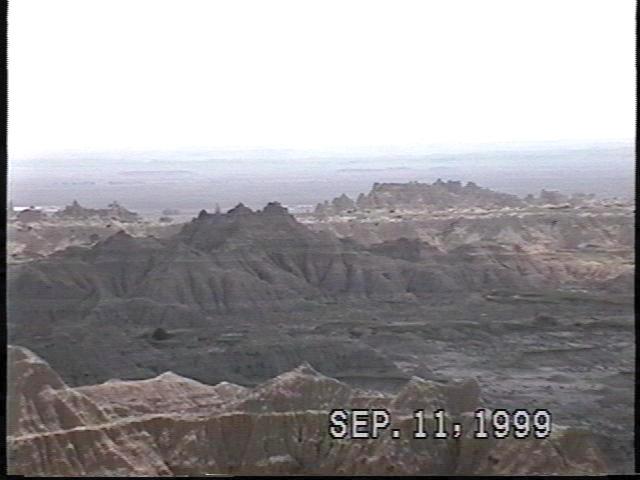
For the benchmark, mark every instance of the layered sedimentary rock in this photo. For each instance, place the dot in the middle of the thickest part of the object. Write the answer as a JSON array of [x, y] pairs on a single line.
[[370, 297], [552, 239], [170, 425], [111, 298], [442, 195], [31, 215], [35, 236], [438, 195], [240, 260], [114, 211], [268, 260]]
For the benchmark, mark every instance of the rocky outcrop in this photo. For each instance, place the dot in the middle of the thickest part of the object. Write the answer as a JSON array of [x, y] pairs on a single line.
[[127, 300], [403, 248], [114, 211], [436, 196], [552, 197], [280, 427], [300, 389], [553, 240], [39, 401], [216, 263], [456, 396], [441, 195], [46, 234], [339, 204], [268, 260], [31, 215]]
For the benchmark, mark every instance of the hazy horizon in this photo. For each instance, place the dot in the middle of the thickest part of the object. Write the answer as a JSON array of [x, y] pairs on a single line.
[[333, 152], [316, 76], [153, 181], [301, 101]]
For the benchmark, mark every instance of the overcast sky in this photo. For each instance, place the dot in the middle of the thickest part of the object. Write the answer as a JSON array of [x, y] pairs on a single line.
[[135, 75]]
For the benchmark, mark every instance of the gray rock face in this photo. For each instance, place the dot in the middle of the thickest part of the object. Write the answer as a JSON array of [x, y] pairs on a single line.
[[250, 263], [114, 211], [339, 204], [442, 195], [552, 197], [217, 263], [395, 301], [438, 195], [266, 259], [31, 215]]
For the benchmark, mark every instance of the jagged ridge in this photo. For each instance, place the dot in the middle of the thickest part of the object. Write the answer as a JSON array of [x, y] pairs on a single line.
[[279, 427]]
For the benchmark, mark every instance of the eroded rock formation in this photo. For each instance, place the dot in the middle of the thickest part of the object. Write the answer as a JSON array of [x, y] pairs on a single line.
[[170, 425], [114, 211]]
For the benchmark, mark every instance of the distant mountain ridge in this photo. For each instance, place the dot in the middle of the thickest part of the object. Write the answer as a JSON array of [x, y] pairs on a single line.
[[255, 267], [247, 259], [440, 195]]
